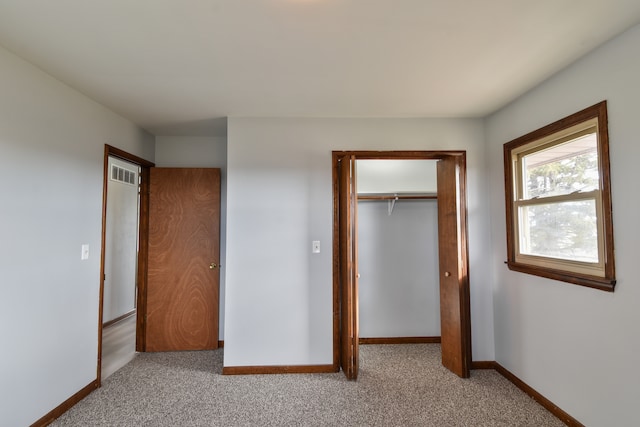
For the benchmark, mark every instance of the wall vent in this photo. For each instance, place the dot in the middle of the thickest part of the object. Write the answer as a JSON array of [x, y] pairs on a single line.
[[121, 174]]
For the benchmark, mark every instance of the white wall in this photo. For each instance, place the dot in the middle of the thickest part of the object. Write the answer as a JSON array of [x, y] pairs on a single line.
[[201, 152], [397, 176], [51, 175], [121, 244], [278, 307], [577, 346], [399, 289], [399, 285]]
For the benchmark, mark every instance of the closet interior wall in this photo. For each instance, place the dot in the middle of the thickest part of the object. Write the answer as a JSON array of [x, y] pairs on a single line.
[[398, 265]]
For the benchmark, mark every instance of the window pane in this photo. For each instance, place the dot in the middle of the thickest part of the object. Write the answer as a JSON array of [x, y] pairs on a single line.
[[562, 169], [566, 230]]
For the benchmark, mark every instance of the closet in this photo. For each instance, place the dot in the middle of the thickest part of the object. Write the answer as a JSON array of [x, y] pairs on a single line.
[[397, 214]]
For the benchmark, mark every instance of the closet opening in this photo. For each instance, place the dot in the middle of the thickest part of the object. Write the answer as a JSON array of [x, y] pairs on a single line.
[[397, 216], [400, 254]]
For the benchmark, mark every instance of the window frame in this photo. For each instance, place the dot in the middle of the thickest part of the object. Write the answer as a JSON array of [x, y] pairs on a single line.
[[594, 275]]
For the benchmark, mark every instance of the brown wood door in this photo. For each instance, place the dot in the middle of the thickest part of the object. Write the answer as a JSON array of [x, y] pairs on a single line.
[[348, 267], [454, 286], [183, 260]]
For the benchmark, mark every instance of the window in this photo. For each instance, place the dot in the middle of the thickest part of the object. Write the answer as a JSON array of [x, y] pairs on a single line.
[[558, 199]]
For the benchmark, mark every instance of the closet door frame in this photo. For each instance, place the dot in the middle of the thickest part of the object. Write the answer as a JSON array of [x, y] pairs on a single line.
[[462, 340]]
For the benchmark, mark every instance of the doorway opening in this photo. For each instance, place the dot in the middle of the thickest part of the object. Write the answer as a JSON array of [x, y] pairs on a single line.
[[123, 255], [455, 324], [398, 292]]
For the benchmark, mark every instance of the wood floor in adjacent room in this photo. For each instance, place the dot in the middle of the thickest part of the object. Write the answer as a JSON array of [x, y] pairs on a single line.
[[118, 345]]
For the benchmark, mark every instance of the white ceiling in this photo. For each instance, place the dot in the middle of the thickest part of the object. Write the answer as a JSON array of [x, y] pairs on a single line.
[[181, 66]]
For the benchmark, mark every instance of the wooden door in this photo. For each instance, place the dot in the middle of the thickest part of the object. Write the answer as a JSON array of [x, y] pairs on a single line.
[[348, 267], [454, 287], [183, 260]]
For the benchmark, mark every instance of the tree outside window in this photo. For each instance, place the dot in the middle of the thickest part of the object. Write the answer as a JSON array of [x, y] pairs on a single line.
[[559, 201]]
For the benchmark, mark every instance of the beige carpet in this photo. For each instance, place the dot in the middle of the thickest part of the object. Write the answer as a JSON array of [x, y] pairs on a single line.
[[399, 385]]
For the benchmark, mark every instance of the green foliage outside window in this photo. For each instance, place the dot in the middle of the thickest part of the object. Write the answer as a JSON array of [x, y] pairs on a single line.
[[565, 230], [558, 201]]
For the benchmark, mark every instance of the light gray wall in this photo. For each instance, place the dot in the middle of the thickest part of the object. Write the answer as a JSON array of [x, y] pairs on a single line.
[[51, 175], [399, 289], [201, 152], [577, 346], [121, 244], [278, 308]]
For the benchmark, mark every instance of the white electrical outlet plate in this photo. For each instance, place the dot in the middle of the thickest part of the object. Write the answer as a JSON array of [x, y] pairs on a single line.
[[315, 246]]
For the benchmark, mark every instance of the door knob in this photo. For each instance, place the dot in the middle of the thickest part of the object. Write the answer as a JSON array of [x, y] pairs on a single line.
[[213, 265], [447, 274]]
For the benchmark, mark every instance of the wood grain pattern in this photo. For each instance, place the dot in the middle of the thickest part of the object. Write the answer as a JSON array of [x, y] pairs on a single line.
[[184, 235], [455, 323], [401, 340], [143, 259], [349, 355], [337, 259], [401, 154]]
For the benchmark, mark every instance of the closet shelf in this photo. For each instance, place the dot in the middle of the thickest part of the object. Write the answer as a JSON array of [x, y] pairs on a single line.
[[397, 196]]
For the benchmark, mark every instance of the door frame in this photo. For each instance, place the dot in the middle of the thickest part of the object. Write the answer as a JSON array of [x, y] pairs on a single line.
[[143, 246], [348, 256], [463, 235]]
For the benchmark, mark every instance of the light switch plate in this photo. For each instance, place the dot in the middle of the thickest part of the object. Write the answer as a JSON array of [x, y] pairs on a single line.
[[315, 246], [85, 252]]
